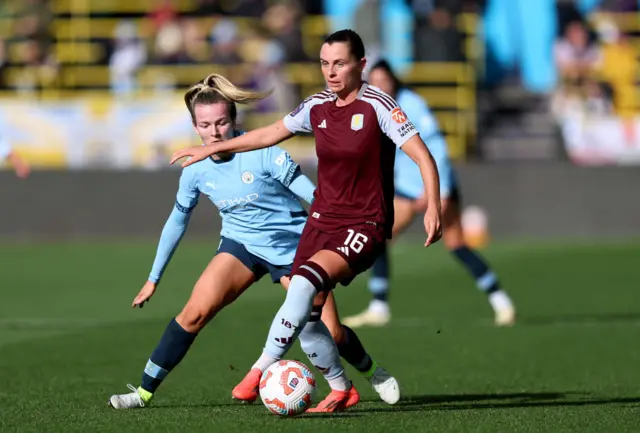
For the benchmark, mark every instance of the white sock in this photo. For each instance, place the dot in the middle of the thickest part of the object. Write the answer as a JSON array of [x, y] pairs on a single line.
[[264, 362], [499, 300], [379, 307], [340, 383]]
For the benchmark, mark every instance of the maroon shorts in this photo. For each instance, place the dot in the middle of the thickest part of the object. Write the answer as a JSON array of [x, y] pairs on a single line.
[[360, 245]]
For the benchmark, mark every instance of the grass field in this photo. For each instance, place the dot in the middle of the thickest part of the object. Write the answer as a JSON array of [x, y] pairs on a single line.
[[69, 339]]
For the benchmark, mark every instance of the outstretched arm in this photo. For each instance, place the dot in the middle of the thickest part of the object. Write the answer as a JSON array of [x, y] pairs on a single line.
[[257, 139], [172, 233], [295, 122]]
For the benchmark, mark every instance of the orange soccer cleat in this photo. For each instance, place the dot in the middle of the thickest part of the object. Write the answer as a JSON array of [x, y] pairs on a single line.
[[247, 390], [337, 401]]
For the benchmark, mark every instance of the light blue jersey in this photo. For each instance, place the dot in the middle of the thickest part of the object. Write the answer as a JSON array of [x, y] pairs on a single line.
[[5, 149], [257, 195], [408, 181]]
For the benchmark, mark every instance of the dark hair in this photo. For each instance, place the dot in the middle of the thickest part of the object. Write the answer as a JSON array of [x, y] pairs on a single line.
[[216, 88], [385, 66], [356, 46]]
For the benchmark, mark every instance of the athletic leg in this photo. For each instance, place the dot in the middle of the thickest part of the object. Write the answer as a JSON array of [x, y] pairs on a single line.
[[352, 351], [224, 279], [485, 278]]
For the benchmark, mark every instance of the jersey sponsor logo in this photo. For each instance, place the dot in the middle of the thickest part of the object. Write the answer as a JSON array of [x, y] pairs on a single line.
[[405, 129], [297, 110], [357, 121], [398, 115], [238, 201], [247, 177], [323, 125]]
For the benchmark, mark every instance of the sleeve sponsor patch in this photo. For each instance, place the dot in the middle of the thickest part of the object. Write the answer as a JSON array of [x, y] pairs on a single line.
[[406, 129], [398, 115]]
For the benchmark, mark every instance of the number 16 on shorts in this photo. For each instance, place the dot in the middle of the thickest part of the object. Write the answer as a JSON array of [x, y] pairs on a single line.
[[355, 242], [361, 246]]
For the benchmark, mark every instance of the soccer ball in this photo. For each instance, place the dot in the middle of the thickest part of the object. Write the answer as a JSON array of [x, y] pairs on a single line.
[[287, 388]]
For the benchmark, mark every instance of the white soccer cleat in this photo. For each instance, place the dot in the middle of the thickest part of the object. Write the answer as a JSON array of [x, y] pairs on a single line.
[[368, 318], [505, 316], [385, 385], [132, 400]]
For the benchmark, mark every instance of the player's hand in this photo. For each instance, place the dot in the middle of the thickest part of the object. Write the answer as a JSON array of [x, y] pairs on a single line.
[[145, 294], [432, 224], [195, 154]]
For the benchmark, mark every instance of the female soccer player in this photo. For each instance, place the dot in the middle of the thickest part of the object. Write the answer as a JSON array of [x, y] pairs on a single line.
[[409, 201], [262, 219], [357, 128], [20, 166]]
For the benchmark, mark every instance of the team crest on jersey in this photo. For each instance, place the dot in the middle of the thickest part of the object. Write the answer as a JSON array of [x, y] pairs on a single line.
[[247, 177], [398, 115], [357, 122]]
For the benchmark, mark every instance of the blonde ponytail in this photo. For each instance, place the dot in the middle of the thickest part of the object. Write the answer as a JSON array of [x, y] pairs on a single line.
[[191, 94], [216, 88], [231, 92]]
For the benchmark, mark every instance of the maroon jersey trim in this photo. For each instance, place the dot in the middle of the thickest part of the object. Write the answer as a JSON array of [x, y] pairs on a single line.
[[384, 96], [384, 103], [325, 94]]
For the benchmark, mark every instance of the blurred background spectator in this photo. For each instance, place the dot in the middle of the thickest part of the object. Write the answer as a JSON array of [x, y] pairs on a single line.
[[129, 54], [506, 78]]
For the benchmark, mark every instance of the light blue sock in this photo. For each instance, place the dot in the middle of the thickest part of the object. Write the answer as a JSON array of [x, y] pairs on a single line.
[[291, 318], [379, 280], [317, 343]]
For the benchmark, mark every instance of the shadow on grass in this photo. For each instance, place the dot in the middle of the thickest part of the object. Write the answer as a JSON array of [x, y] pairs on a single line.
[[578, 319], [496, 401]]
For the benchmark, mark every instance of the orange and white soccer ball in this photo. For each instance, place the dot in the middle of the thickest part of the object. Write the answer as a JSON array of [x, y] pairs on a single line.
[[287, 388]]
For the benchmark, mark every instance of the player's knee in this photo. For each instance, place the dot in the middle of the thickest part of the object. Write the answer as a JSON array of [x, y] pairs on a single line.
[[316, 275], [194, 317]]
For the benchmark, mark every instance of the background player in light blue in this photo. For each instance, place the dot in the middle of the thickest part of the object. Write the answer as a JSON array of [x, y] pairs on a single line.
[[409, 201], [7, 153], [262, 219]]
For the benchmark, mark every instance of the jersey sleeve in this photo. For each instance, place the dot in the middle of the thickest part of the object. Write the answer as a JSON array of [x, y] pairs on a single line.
[[393, 121], [172, 233], [279, 165], [303, 187], [299, 120], [188, 192]]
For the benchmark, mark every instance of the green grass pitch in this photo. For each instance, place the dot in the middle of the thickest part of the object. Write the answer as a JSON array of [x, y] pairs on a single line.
[[69, 339]]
